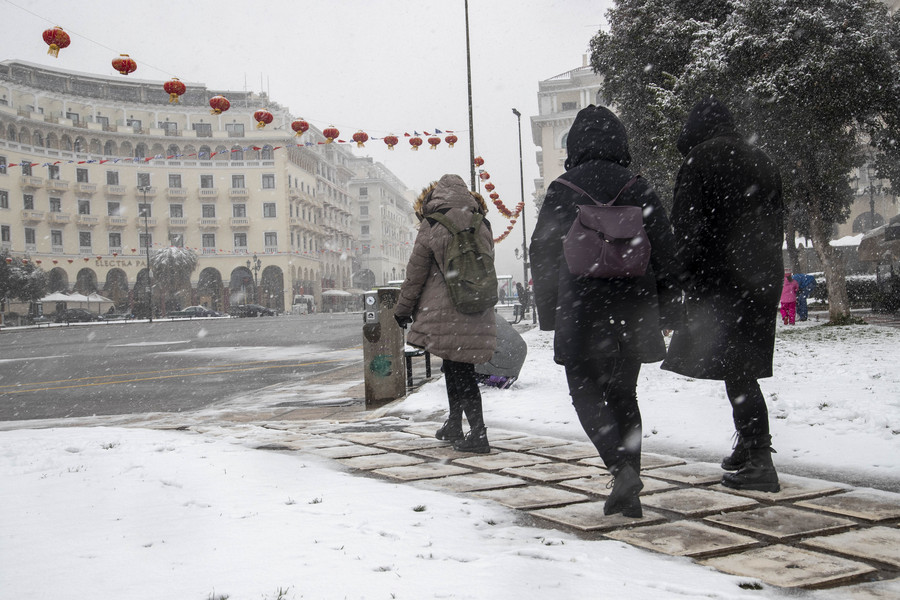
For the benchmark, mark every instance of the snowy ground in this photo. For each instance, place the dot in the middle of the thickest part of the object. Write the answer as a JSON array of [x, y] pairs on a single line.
[[114, 512]]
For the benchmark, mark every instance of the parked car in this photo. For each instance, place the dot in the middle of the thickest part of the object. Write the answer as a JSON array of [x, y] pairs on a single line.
[[77, 315], [252, 310], [193, 312]]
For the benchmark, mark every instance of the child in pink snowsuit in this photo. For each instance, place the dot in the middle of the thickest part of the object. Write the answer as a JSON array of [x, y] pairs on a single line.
[[789, 299]]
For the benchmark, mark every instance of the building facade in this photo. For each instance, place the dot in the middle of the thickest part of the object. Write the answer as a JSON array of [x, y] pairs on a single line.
[[94, 170], [387, 226]]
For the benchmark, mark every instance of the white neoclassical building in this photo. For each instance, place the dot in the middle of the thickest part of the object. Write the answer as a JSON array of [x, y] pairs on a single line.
[[93, 170]]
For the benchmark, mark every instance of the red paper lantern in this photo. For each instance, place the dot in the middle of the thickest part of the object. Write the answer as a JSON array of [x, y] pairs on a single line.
[[489, 186], [219, 104], [434, 141], [263, 118], [8, 260], [391, 141], [99, 258], [331, 133], [71, 260], [174, 88], [415, 142], [57, 39], [115, 254], [38, 261], [360, 137], [300, 127], [55, 262], [484, 175], [24, 261], [478, 161], [451, 139], [495, 196], [86, 259], [124, 64]]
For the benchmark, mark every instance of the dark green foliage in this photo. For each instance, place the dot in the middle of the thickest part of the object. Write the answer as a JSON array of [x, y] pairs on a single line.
[[21, 280]]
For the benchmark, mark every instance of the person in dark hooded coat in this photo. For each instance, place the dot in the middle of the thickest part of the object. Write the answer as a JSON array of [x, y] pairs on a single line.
[[605, 328], [727, 216]]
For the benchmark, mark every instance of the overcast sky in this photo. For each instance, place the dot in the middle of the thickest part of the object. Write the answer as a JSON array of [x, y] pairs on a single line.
[[383, 66]]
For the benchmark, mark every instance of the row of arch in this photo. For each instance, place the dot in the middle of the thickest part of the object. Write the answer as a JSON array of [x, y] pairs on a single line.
[[82, 145]]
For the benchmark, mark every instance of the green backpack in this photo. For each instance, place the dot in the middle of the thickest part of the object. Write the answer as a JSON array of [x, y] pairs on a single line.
[[468, 268]]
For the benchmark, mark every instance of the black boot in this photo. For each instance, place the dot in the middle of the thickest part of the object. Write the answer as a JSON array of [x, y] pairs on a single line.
[[758, 473], [624, 496], [450, 431], [475, 441], [739, 456]]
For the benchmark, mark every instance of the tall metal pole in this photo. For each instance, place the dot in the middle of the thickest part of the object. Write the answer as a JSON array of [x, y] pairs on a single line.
[[471, 122], [522, 215], [144, 189]]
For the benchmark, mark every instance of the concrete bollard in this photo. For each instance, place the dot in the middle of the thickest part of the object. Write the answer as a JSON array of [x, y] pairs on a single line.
[[383, 341]]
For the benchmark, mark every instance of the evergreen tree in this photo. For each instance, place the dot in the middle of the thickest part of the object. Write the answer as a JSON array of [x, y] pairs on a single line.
[[812, 80], [21, 280], [172, 268]]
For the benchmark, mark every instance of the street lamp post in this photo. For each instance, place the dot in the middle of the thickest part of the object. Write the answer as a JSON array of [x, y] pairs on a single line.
[[870, 170], [145, 189], [522, 216], [254, 264]]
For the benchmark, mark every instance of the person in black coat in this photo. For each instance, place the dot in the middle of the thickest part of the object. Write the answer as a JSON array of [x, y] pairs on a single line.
[[605, 328], [727, 217]]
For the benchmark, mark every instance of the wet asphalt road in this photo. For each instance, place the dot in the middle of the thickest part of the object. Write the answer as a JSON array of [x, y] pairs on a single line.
[[167, 366]]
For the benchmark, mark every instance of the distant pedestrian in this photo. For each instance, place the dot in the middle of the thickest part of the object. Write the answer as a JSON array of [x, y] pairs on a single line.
[[727, 216], [520, 294], [605, 328], [461, 340], [807, 285], [789, 291]]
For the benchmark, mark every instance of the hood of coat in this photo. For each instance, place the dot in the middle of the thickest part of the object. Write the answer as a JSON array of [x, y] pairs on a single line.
[[597, 133], [450, 191], [708, 119]]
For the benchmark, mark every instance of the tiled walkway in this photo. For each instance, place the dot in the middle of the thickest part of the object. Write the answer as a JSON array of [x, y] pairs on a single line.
[[812, 534]]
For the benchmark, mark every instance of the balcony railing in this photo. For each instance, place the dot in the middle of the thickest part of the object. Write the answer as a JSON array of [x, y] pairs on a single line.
[[27, 181], [115, 250], [59, 218], [150, 190], [116, 190], [176, 192], [178, 222], [271, 250], [240, 221], [208, 251], [88, 220], [57, 185], [85, 251], [116, 221], [238, 192], [151, 221], [241, 250], [85, 188], [32, 215], [209, 222], [56, 249], [209, 192]]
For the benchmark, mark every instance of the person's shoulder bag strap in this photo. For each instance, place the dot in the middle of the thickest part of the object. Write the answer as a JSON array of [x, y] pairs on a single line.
[[571, 185]]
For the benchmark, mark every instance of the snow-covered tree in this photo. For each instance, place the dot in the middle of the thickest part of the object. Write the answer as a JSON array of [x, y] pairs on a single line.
[[21, 280], [812, 80], [172, 268]]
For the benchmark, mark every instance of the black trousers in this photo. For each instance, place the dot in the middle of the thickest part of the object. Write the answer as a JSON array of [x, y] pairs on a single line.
[[748, 409], [604, 394], [463, 393]]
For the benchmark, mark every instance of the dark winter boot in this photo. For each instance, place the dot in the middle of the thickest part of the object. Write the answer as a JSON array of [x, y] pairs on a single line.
[[624, 496], [739, 456], [475, 441], [758, 473], [450, 431]]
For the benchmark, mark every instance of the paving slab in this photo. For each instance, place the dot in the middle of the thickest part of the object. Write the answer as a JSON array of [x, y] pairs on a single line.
[[345, 451], [790, 567], [692, 502], [782, 522], [600, 485], [424, 429], [881, 544], [880, 590], [658, 461], [792, 488], [472, 482], [684, 538], [501, 460], [526, 443], [444, 452], [372, 437], [691, 474], [315, 441], [421, 471], [870, 505], [407, 444], [380, 461], [588, 516], [575, 451], [554, 471], [532, 496]]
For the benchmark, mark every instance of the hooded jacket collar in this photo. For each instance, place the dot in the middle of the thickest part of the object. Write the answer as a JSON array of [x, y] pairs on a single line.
[[597, 134], [450, 191], [708, 119]]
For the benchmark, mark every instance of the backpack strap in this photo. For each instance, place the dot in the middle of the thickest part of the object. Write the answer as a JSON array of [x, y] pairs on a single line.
[[477, 218], [571, 185]]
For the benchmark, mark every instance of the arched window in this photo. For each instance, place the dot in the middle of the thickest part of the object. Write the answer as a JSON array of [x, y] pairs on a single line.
[[37, 140], [173, 151], [109, 148], [204, 153], [267, 152], [237, 153], [140, 151]]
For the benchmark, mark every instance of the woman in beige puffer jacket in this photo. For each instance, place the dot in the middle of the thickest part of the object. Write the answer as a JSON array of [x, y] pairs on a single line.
[[461, 340]]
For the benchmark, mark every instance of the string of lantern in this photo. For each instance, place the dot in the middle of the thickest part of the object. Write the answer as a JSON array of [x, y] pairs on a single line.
[[57, 39]]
